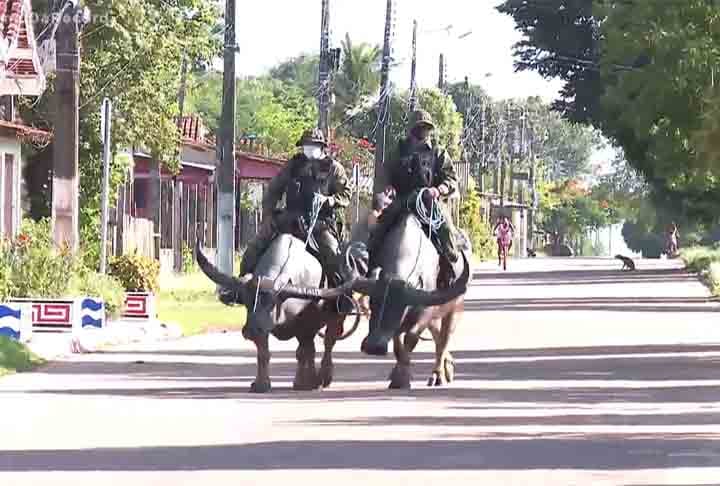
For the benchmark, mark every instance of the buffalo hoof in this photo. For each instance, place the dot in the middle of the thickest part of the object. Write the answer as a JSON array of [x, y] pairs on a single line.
[[306, 380], [400, 378], [373, 349], [445, 374], [326, 376], [449, 369], [437, 379], [260, 387]]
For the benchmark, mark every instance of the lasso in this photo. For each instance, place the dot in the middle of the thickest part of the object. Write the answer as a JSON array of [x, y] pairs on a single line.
[[434, 219]]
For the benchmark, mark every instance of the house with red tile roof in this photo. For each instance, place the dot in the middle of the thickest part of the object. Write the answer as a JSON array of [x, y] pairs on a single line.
[[193, 189], [21, 74]]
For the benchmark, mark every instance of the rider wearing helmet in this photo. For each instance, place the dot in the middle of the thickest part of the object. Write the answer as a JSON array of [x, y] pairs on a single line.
[[418, 163], [308, 172]]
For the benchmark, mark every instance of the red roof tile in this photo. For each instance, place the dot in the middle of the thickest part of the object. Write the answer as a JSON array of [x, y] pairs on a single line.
[[192, 128]]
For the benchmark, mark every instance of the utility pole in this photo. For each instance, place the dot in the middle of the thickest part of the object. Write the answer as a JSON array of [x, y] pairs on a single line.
[[65, 187], [106, 130], [177, 242], [384, 103], [482, 146], [442, 74], [324, 71], [226, 141], [413, 70]]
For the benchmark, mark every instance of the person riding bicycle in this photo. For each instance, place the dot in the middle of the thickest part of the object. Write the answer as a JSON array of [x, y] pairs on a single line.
[[419, 164], [504, 231], [307, 173]]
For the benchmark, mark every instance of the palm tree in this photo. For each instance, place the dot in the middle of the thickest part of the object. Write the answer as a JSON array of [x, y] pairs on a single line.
[[358, 77]]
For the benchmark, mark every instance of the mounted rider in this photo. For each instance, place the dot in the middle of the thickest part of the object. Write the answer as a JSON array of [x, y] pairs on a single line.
[[417, 164], [307, 173]]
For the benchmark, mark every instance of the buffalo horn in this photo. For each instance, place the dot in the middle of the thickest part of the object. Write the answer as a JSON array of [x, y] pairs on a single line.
[[415, 297]]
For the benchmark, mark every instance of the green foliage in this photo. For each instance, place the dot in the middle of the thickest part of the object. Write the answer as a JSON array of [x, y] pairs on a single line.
[[273, 112], [36, 269], [190, 300], [560, 39], [644, 240], [478, 231], [188, 258], [706, 262], [300, 71], [441, 107], [358, 77], [15, 357], [105, 287], [131, 54], [5, 270], [642, 72], [568, 211], [699, 258], [136, 272]]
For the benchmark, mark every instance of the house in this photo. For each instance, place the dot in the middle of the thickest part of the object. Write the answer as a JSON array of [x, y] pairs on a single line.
[[21, 73], [188, 198]]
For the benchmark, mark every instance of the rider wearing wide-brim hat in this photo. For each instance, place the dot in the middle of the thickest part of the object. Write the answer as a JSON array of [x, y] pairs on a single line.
[[309, 172], [312, 137]]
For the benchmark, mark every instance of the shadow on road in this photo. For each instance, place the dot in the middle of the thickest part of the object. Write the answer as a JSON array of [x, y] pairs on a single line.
[[614, 304], [584, 451], [581, 277], [642, 374]]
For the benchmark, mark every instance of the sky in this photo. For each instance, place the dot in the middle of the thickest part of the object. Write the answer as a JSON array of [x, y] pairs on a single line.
[[271, 31]]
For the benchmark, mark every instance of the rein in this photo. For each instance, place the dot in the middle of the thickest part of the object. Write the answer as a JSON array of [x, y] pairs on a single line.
[[317, 205]]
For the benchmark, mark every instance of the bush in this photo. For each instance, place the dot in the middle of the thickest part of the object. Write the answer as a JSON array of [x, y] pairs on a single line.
[[699, 259], [14, 356], [136, 273], [479, 232], [5, 270], [106, 287], [36, 269]]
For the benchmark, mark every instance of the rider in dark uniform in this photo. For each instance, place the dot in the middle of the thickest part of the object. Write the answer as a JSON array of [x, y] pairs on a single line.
[[419, 164], [310, 171]]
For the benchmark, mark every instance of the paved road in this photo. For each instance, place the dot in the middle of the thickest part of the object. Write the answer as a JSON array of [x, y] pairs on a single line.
[[569, 372]]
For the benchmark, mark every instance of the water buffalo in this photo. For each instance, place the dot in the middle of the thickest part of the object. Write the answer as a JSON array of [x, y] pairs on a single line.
[[275, 306], [404, 299]]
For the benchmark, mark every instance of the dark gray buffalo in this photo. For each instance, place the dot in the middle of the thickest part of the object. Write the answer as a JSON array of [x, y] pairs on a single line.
[[404, 299], [276, 306]]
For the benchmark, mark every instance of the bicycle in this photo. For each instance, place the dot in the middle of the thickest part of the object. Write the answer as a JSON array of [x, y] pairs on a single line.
[[503, 249]]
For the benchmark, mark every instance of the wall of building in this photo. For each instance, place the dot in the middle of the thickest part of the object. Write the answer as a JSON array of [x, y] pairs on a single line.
[[10, 190]]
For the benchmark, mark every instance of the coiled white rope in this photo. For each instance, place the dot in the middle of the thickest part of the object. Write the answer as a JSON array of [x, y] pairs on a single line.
[[433, 219]]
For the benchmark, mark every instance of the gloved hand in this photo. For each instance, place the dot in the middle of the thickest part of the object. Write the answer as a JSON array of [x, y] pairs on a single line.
[[430, 194]]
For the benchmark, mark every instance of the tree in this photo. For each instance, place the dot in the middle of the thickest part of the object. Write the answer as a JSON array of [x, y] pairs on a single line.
[[568, 211], [448, 121], [656, 113], [561, 39], [300, 71], [359, 76], [273, 112], [134, 59]]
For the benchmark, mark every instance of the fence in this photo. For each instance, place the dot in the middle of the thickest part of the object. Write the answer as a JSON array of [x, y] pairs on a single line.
[[183, 208]]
